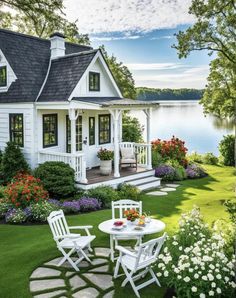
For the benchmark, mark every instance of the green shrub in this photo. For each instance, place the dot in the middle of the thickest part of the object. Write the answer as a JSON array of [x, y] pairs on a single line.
[[226, 148], [210, 159], [13, 162], [105, 194], [132, 130], [157, 159], [40, 211], [180, 173], [2, 192], [128, 192], [57, 178], [195, 157], [4, 207]]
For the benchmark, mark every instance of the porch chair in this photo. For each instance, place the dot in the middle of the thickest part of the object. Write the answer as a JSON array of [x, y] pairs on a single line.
[[121, 206], [128, 156], [67, 241], [139, 262]]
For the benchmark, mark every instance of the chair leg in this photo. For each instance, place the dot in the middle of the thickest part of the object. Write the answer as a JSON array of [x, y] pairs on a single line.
[[129, 278], [154, 277], [67, 257], [117, 268]]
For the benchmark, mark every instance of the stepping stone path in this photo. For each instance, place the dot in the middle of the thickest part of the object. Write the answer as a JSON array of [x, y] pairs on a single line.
[[158, 193], [93, 280], [172, 185], [164, 189]]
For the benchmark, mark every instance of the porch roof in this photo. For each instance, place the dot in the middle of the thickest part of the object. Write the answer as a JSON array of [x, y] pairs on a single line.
[[115, 102]]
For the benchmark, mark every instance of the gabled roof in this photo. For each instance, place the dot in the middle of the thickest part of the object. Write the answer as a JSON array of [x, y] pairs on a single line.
[[29, 58], [65, 72]]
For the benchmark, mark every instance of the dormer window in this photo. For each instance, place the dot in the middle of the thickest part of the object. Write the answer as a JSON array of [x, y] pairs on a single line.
[[3, 76], [94, 81]]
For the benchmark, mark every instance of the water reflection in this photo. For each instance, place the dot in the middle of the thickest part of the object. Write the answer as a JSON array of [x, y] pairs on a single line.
[[187, 121]]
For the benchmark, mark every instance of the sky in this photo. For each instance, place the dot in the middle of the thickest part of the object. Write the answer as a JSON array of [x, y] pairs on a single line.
[[140, 33]]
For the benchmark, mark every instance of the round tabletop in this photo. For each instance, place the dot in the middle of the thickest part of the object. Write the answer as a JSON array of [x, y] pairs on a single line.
[[154, 226]]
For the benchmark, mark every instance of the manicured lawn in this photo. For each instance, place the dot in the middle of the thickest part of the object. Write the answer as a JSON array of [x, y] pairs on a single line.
[[23, 248]]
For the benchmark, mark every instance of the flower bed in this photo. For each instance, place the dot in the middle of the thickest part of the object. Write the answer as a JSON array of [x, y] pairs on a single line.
[[194, 261]]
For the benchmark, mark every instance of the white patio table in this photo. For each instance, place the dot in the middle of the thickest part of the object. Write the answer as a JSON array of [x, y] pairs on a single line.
[[154, 226]]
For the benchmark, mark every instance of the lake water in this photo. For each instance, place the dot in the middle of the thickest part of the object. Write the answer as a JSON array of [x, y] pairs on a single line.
[[186, 121]]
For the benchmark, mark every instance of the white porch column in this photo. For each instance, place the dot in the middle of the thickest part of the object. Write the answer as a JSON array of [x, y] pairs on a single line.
[[115, 116], [148, 113], [73, 115]]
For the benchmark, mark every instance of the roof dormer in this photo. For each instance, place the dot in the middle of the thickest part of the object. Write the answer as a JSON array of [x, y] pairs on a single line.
[[7, 75]]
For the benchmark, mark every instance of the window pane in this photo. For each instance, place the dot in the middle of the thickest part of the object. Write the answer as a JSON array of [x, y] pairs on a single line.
[[94, 81], [3, 76], [91, 131], [79, 135], [16, 129], [49, 130], [104, 129]]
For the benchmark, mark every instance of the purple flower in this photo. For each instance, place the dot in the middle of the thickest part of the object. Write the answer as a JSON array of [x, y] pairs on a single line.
[[195, 171], [165, 171], [71, 206], [55, 202], [28, 212], [89, 204]]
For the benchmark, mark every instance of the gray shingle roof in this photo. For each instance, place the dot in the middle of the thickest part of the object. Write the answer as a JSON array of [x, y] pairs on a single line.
[[64, 74], [29, 58], [115, 101]]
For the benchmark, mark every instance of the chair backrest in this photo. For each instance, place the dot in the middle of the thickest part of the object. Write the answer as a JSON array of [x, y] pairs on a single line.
[[149, 251], [127, 150], [58, 224], [123, 205]]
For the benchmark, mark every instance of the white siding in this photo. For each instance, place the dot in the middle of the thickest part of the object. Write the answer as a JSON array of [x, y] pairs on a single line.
[[27, 110]]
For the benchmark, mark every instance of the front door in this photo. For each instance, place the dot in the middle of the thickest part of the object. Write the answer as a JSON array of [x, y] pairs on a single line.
[[79, 136]]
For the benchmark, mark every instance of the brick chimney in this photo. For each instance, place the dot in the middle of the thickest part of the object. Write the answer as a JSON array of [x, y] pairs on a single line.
[[57, 45]]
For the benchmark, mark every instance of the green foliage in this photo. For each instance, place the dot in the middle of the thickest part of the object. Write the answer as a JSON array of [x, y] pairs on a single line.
[[105, 194], [195, 157], [227, 150], [13, 161], [40, 18], [180, 173], [15, 216], [157, 159], [122, 75], [210, 159], [131, 129], [231, 208], [4, 207], [40, 211], [128, 192], [105, 154], [57, 178], [145, 93]]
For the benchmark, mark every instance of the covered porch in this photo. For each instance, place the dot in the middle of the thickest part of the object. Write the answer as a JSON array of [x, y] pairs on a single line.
[[83, 159]]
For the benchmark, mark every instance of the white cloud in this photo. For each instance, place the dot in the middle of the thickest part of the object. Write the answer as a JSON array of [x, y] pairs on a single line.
[[111, 38], [154, 66], [162, 37], [194, 77], [127, 15]]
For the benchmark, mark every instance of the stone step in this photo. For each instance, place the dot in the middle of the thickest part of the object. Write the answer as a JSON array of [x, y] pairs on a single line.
[[143, 180], [150, 185]]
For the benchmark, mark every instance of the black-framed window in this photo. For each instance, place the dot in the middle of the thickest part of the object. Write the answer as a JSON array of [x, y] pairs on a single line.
[[79, 134], [50, 130], [94, 81], [91, 131], [104, 129], [16, 129], [3, 76]]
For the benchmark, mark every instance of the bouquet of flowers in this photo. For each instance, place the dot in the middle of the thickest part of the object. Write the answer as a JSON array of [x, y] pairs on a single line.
[[131, 214]]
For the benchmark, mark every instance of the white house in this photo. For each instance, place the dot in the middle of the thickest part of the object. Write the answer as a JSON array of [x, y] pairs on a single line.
[[60, 102]]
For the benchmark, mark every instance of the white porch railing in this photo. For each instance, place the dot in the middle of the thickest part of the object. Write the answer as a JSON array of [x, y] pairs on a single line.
[[142, 151], [76, 161]]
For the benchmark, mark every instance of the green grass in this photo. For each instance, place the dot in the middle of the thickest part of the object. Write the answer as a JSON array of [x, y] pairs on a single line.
[[23, 248]]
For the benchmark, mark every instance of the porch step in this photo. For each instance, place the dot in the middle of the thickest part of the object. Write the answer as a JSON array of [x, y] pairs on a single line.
[[146, 183]]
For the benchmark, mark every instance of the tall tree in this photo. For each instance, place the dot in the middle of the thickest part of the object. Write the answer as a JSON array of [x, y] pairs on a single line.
[[122, 75], [40, 18], [215, 31]]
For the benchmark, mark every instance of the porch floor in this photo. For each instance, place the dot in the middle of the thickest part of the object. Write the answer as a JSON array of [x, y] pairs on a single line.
[[94, 176]]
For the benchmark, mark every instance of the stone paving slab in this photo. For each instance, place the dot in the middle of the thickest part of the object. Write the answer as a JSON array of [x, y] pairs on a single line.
[[77, 282], [157, 193], [100, 269], [109, 295], [45, 272], [98, 261], [172, 185], [45, 284], [50, 295], [168, 189], [103, 281], [86, 293], [102, 251]]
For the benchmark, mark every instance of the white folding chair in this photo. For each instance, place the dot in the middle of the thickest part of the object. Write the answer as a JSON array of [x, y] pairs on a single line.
[[66, 240], [121, 206], [139, 262]]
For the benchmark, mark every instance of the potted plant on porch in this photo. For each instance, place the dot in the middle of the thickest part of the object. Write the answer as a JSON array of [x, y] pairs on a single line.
[[106, 156]]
